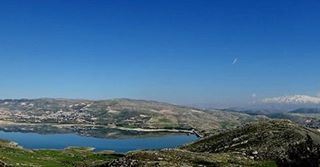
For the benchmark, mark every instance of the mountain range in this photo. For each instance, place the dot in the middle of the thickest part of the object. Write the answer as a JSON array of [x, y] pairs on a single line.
[[280, 104], [116, 113]]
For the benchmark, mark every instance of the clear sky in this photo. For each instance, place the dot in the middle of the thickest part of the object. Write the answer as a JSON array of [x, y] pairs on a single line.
[[181, 51]]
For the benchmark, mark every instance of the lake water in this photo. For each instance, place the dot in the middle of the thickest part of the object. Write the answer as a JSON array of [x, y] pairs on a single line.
[[61, 141]]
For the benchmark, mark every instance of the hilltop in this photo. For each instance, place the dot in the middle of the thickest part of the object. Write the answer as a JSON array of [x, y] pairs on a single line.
[[267, 139]]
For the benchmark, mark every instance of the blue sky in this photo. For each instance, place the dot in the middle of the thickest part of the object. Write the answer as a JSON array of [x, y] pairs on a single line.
[[182, 51]]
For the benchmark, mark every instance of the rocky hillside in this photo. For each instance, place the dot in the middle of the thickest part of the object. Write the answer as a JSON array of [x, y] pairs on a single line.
[[264, 139], [264, 143], [117, 112], [178, 158]]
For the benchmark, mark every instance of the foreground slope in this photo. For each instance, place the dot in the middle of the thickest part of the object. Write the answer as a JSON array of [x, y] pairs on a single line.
[[12, 155], [256, 144], [178, 158], [266, 139]]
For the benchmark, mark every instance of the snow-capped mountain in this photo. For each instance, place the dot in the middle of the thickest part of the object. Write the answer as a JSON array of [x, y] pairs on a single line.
[[281, 104], [295, 100]]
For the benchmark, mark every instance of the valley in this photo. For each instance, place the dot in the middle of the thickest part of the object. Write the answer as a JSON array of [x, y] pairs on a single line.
[[263, 144], [227, 137]]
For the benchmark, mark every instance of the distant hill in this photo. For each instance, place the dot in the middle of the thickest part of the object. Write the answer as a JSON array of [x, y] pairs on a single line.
[[308, 116], [127, 113], [307, 111]]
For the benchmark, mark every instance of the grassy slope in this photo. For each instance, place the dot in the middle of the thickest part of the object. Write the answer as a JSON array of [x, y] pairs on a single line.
[[14, 156]]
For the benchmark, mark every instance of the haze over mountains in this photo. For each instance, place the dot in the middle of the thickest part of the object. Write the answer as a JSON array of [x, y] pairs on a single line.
[[282, 104], [295, 99]]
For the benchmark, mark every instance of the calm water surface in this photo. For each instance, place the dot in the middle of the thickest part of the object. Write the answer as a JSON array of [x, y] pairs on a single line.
[[60, 141]]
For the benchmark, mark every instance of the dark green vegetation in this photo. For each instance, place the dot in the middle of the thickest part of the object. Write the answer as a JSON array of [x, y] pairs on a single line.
[[307, 111], [305, 153], [11, 155], [265, 143]]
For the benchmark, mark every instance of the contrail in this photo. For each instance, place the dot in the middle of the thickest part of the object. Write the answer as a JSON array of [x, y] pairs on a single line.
[[235, 61]]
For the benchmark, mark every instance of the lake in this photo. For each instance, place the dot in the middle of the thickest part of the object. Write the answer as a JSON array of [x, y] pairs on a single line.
[[61, 141]]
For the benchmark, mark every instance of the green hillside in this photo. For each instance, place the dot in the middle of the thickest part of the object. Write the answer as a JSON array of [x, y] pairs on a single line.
[[12, 155]]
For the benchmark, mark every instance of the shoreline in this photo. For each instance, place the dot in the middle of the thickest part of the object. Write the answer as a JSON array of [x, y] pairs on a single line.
[[2, 122]]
